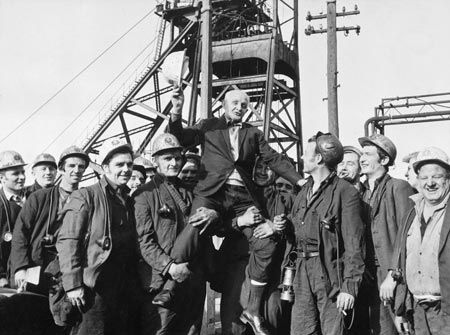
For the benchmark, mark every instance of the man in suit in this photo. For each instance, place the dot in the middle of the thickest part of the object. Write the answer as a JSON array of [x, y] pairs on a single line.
[[12, 178], [329, 237], [424, 249], [385, 205], [229, 149]]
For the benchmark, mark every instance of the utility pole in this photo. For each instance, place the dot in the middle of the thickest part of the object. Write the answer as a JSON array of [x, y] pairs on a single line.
[[332, 85], [206, 60]]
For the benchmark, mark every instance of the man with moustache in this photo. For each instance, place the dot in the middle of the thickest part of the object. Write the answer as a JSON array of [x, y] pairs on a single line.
[[229, 149], [44, 170], [12, 179], [385, 205], [38, 223], [423, 250], [97, 247], [161, 208]]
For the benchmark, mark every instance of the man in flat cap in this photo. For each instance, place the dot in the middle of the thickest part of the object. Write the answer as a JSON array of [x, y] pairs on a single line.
[[329, 238], [424, 250], [385, 205], [12, 179], [44, 170], [97, 247], [38, 223], [349, 169]]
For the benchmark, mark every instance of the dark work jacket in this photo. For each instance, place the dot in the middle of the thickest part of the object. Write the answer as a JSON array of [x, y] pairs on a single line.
[[403, 299], [86, 214], [386, 212], [31, 188], [337, 202], [213, 135], [7, 214], [39, 212], [156, 234]]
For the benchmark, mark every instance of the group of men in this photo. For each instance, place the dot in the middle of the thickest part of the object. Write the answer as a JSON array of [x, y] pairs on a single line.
[[132, 253]]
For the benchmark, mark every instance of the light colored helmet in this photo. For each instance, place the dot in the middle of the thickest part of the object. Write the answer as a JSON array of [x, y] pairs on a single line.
[[44, 158], [431, 155], [146, 163], [10, 159], [73, 151], [382, 142], [165, 142], [113, 146]]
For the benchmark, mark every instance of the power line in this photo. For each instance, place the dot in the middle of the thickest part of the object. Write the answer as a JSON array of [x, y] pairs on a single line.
[[98, 95], [75, 77]]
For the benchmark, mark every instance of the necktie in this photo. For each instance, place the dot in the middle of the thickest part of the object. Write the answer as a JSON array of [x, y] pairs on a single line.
[[17, 200]]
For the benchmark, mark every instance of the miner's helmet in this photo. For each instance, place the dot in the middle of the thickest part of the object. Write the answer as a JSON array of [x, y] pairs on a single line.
[[383, 143], [73, 151], [10, 159], [44, 158], [146, 163], [165, 142], [330, 148], [431, 155], [111, 147]]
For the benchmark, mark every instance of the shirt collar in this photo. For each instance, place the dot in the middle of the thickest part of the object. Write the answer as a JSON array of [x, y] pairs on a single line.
[[375, 185], [10, 196]]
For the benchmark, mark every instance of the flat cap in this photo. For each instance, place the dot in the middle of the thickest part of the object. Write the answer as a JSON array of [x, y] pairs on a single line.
[[431, 155], [10, 159], [383, 143], [44, 158]]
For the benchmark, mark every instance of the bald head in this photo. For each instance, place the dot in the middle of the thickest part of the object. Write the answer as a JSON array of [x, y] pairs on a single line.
[[235, 105]]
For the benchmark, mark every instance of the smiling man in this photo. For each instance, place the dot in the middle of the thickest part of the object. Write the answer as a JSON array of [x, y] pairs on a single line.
[[161, 207], [12, 178], [97, 247], [349, 169], [424, 249], [37, 225], [44, 170], [229, 150], [385, 204]]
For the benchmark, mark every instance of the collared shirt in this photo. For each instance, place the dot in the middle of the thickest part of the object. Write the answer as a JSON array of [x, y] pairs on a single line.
[[307, 226], [235, 178], [422, 267], [18, 199]]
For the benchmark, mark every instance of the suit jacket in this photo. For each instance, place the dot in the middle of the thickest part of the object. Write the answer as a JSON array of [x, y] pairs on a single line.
[[156, 234], [340, 246], [386, 212], [403, 299], [213, 135], [9, 214]]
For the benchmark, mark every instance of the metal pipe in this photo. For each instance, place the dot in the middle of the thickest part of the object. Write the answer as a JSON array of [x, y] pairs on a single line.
[[375, 119]]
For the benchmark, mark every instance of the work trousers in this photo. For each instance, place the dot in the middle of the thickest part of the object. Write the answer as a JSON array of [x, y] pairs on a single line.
[[231, 201], [313, 312], [185, 314], [429, 320], [116, 304], [372, 317]]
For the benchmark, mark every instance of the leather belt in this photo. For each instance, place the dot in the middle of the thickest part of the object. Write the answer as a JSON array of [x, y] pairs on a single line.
[[308, 254]]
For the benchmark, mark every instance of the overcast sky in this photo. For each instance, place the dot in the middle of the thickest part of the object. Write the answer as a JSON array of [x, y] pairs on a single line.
[[403, 49]]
